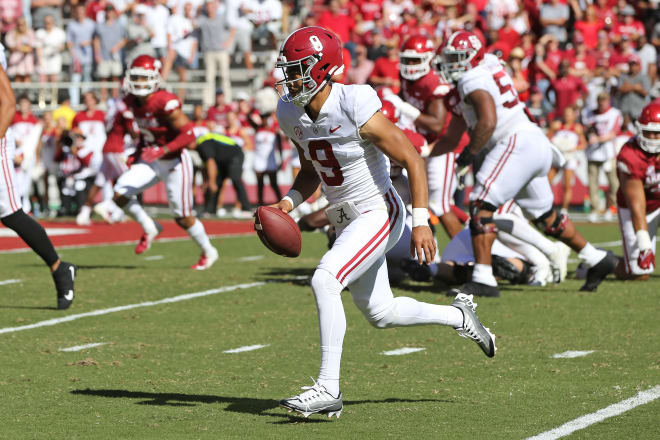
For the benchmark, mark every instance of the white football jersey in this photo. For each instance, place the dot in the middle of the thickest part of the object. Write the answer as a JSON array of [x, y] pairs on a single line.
[[492, 77], [8, 148], [351, 168]]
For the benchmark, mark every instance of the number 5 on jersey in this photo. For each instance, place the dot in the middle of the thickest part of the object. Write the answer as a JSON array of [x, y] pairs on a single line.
[[335, 177]]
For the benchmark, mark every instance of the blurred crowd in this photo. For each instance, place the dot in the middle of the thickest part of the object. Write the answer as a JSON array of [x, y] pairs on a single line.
[[585, 67], [82, 41]]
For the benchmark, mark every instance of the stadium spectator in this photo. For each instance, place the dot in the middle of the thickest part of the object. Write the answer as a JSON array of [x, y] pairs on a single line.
[[138, 35], [216, 38], [181, 45], [554, 16], [266, 15], [648, 55], [386, 71], [602, 127], [519, 74], [109, 40], [627, 26], [239, 15], [537, 107], [51, 41], [360, 72], [64, 114], [21, 42], [79, 35], [156, 17], [583, 63], [634, 89], [10, 12], [217, 115], [588, 27], [40, 9], [497, 10], [338, 20], [567, 89]]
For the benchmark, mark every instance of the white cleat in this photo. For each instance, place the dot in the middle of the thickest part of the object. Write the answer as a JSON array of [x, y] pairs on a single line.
[[559, 259], [206, 260], [83, 220], [314, 400]]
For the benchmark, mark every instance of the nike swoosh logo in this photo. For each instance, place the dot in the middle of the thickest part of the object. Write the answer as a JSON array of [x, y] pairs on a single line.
[[332, 130], [69, 296]]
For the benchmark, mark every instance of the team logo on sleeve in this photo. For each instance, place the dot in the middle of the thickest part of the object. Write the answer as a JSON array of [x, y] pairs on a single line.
[[298, 131]]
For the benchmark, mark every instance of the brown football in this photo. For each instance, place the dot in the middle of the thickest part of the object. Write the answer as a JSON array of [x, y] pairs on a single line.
[[277, 231]]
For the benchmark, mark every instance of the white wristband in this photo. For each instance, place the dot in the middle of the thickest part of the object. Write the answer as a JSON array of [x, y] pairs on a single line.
[[294, 197], [643, 240], [409, 111], [420, 217]]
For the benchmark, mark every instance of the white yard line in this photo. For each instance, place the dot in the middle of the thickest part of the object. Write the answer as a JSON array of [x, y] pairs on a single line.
[[245, 348], [154, 258], [615, 409], [251, 258], [2, 283], [82, 347], [123, 243], [608, 244], [173, 299], [400, 351], [571, 354]]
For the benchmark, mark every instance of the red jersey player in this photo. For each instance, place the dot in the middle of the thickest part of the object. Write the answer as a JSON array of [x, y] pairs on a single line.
[[638, 198], [422, 92], [164, 133]]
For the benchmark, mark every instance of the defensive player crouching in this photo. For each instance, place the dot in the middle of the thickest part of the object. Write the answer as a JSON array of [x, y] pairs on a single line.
[[341, 136], [638, 198], [165, 132]]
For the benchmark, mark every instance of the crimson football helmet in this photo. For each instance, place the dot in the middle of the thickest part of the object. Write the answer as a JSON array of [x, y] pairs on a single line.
[[462, 51], [309, 58], [389, 111], [143, 77], [415, 57], [649, 122]]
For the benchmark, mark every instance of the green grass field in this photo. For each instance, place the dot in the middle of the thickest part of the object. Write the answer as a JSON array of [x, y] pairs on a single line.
[[162, 372]]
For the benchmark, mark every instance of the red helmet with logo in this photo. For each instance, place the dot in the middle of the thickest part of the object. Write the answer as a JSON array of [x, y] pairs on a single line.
[[462, 51], [143, 76], [415, 57], [648, 123], [389, 111], [309, 58]]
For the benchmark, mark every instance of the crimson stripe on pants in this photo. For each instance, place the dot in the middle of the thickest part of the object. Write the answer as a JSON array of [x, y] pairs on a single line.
[[392, 216], [505, 156]]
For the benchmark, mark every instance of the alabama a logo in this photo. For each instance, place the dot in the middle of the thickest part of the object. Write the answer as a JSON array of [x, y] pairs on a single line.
[[298, 131]]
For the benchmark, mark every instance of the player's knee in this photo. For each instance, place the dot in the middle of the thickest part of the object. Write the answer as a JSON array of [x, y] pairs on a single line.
[[323, 282], [480, 223], [552, 223], [382, 318], [185, 222], [120, 200]]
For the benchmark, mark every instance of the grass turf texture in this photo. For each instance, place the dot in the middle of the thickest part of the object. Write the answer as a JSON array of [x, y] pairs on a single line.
[[163, 373]]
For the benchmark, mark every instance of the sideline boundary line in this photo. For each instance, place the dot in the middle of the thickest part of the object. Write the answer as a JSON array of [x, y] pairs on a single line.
[[123, 243], [99, 312], [615, 409]]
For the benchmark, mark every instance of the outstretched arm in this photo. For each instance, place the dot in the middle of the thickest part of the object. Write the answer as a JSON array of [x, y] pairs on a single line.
[[388, 138]]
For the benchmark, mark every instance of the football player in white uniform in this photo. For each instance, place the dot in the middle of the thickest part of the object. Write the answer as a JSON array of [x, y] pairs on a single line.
[[343, 140], [11, 212], [516, 159]]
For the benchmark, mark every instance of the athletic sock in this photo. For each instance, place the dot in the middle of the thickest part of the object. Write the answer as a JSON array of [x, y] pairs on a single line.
[[85, 211], [136, 211], [198, 234], [33, 234], [591, 255], [408, 311], [332, 324], [521, 229], [483, 273]]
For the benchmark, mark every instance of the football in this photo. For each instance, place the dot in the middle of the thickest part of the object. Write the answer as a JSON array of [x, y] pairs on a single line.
[[278, 231]]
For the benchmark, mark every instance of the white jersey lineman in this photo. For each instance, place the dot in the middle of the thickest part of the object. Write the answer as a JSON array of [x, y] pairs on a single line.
[[10, 200], [519, 154], [354, 176]]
